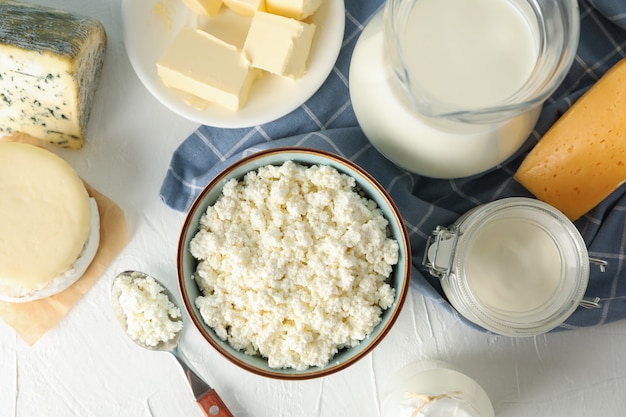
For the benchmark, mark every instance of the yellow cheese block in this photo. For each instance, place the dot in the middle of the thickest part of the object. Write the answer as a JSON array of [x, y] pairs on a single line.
[[582, 158], [45, 219]]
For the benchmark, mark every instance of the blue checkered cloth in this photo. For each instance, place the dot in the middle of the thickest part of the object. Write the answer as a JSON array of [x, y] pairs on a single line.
[[327, 121]]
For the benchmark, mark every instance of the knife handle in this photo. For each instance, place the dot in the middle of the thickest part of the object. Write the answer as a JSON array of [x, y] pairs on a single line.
[[212, 405]]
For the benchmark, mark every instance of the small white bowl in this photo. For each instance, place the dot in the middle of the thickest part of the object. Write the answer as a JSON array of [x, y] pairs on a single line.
[[399, 279], [151, 25]]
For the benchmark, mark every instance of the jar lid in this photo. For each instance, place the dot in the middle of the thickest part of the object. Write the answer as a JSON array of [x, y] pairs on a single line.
[[520, 267]]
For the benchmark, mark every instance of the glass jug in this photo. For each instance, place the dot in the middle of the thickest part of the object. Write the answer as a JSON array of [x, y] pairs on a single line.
[[451, 88]]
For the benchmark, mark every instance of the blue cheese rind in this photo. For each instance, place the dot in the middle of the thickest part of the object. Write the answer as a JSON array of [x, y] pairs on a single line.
[[50, 64]]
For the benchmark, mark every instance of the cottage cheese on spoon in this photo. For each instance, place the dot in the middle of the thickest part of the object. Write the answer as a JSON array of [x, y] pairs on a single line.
[[151, 318]]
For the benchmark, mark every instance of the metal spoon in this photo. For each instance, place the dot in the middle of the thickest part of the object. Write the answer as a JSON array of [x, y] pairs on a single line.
[[207, 398]]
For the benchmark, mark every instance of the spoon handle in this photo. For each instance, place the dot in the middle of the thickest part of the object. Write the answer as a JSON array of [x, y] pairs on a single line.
[[207, 398], [212, 405]]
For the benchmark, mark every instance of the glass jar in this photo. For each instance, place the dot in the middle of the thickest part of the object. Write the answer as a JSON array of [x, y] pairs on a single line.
[[515, 266], [480, 60]]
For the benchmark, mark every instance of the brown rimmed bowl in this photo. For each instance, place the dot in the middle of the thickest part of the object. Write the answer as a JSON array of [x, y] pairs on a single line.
[[399, 278]]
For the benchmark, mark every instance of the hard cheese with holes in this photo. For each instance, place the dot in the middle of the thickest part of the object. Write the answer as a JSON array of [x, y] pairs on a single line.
[[581, 160]]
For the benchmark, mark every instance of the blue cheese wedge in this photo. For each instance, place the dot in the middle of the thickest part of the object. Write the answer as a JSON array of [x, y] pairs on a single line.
[[50, 64]]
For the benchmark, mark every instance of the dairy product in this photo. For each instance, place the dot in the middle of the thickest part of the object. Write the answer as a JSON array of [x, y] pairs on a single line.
[[434, 388], [229, 26], [295, 9], [436, 148], [200, 64], [245, 7], [48, 225], [293, 264], [59, 283], [513, 265], [469, 54], [151, 318], [50, 63], [278, 44], [204, 7], [581, 159], [237, 45]]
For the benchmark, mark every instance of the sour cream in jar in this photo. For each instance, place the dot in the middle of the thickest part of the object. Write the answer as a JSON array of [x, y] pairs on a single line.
[[516, 266]]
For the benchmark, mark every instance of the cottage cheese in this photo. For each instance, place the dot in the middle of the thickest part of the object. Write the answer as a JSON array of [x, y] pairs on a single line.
[[151, 317], [293, 264]]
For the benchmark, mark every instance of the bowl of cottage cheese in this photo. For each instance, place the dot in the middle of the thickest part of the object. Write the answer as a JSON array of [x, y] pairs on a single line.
[[293, 263]]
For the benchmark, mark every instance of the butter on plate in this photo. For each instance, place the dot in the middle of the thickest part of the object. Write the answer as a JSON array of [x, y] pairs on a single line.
[[245, 7], [220, 63], [204, 7], [278, 44], [296, 9], [201, 64]]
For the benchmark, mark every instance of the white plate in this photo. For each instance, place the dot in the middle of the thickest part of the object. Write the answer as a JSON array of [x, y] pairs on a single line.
[[150, 26]]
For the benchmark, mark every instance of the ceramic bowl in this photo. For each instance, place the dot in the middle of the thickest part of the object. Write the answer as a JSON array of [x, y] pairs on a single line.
[[148, 33], [186, 263]]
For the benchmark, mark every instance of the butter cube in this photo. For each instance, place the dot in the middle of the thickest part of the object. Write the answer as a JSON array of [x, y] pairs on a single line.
[[245, 7], [204, 7], [205, 66], [278, 44], [296, 9]]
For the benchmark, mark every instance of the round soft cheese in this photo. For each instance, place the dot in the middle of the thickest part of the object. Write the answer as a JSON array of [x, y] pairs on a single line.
[[45, 217]]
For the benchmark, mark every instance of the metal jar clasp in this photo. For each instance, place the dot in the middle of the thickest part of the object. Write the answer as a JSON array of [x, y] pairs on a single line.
[[439, 252], [590, 303]]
